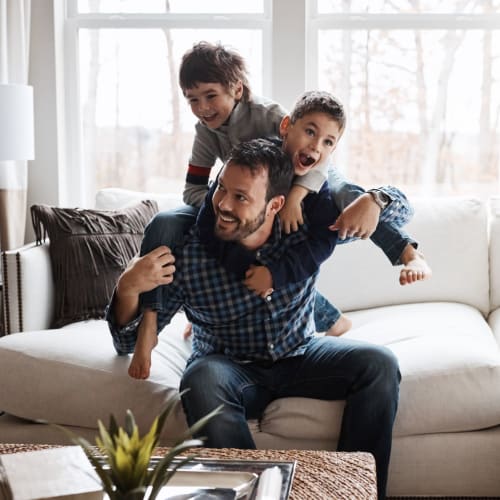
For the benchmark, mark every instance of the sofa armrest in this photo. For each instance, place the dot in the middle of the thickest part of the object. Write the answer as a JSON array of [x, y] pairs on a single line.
[[28, 288]]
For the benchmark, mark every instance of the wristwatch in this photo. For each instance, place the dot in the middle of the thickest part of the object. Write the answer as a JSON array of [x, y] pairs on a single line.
[[380, 198]]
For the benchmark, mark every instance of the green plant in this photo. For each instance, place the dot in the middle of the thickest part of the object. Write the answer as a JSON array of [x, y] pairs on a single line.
[[127, 473]]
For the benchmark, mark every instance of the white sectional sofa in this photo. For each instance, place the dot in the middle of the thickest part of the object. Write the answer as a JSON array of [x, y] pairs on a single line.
[[445, 333]]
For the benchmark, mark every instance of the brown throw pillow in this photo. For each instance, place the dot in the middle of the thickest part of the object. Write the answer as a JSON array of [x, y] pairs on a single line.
[[89, 249]]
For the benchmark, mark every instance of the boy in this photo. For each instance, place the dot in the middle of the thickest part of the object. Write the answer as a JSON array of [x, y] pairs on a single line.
[[214, 82]]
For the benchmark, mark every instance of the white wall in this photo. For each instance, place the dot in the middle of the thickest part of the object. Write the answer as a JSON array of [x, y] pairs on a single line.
[[43, 172]]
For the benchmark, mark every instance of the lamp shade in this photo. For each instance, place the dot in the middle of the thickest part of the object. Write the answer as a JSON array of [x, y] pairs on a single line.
[[17, 140]]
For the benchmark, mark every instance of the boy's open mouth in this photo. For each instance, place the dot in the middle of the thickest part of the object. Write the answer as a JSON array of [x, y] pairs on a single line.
[[306, 160]]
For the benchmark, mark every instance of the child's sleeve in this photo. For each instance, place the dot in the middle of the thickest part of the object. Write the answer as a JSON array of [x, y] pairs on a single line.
[[304, 259], [203, 158], [314, 179]]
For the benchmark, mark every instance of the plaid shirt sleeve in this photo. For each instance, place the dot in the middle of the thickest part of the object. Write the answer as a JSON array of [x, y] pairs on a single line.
[[125, 337]]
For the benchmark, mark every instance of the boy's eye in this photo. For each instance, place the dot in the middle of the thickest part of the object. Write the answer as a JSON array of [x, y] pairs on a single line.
[[329, 143], [220, 187], [192, 100], [309, 131], [240, 197], [211, 96]]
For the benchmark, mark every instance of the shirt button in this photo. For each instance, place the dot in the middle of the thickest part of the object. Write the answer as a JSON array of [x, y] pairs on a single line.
[[269, 298], [258, 254], [271, 346]]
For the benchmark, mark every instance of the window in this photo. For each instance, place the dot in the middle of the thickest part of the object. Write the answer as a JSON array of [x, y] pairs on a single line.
[[136, 129], [420, 81], [421, 84]]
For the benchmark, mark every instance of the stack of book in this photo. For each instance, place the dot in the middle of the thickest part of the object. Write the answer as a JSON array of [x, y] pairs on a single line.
[[55, 473]]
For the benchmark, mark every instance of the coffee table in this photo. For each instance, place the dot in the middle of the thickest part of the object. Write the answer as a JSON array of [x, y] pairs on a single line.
[[319, 474]]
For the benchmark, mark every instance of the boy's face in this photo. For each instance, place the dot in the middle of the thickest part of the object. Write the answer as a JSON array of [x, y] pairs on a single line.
[[310, 140], [212, 103]]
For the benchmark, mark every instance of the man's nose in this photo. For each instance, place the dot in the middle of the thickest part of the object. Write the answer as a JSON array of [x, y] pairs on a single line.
[[224, 204]]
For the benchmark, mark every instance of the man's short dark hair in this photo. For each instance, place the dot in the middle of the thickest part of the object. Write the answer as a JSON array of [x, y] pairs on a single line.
[[319, 101], [259, 154], [213, 63]]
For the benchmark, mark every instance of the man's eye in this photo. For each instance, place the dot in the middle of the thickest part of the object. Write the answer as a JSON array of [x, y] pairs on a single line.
[[220, 188], [211, 96], [240, 197]]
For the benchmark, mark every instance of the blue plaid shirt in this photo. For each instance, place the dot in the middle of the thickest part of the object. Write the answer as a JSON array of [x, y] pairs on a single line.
[[228, 318]]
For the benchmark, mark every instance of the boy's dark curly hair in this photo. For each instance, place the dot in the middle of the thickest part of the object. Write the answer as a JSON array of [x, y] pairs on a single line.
[[213, 63]]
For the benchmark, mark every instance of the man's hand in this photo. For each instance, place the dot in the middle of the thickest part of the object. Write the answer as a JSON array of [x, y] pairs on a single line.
[[142, 274], [147, 272], [359, 219], [258, 279], [291, 214]]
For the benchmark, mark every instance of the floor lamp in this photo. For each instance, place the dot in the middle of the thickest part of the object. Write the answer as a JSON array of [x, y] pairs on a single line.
[[16, 122], [16, 144]]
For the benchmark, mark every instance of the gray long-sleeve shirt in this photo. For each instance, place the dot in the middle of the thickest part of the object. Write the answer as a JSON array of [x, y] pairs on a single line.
[[249, 120]]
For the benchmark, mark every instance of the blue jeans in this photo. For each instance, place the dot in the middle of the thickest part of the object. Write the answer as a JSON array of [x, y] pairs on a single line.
[[165, 228], [388, 235], [366, 376]]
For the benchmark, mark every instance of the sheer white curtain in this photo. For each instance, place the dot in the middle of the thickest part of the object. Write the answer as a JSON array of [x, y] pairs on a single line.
[[14, 57]]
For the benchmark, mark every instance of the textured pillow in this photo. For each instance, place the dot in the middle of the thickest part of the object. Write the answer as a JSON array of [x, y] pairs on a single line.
[[88, 249]]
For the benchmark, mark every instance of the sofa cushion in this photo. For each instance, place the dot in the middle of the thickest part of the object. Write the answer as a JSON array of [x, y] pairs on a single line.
[[450, 367], [449, 361], [117, 198], [453, 235], [495, 252], [72, 376], [89, 249]]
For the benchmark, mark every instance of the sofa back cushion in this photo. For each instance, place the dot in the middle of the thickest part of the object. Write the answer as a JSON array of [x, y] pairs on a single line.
[[495, 253], [452, 234]]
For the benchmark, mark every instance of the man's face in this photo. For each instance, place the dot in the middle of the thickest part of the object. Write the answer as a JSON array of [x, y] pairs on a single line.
[[240, 206], [212, 103], [310, 140]]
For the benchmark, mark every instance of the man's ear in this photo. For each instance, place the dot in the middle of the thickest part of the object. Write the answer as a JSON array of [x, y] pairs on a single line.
[[285, 123], [276, 204]]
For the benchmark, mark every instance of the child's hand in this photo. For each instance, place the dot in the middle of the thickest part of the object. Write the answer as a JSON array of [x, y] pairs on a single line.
[[359, 219], [291, 214], [258, 279]]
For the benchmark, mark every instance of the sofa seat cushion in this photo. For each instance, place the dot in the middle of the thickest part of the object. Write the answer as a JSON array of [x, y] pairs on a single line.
[[450, 367], [72, 376], [449, 360]]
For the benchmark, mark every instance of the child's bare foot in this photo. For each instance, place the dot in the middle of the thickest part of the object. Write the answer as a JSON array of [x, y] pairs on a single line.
[[147, 338], [342, 325], [415, 267]]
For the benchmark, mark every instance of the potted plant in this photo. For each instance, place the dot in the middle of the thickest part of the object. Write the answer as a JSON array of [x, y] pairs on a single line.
[[124, 467]]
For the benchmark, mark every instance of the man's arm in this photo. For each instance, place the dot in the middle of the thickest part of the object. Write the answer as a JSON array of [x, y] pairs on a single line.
[[142, 275]]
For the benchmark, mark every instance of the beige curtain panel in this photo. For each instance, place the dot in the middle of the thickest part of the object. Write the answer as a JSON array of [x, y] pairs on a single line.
[[14, 57]]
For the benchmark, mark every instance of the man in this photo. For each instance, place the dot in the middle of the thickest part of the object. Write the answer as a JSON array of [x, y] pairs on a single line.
[[247, 349]]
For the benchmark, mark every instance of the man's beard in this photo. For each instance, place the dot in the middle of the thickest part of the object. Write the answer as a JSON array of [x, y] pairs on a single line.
[[241, 230]]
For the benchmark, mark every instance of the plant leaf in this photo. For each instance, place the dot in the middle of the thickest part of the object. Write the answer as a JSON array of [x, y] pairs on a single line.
[[160, 473], [130, 424], [197, 426]]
